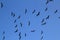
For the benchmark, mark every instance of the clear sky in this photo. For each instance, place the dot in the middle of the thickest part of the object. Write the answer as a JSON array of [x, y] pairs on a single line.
[[51, 30]]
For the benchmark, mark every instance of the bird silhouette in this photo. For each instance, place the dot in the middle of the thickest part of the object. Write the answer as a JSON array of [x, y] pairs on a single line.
[[15, 26], [12, 14], [32, 30], [19, 33], [46, 9], [47, 17], [44, 23], [42, 38], [3, 32], [18, 17], [20, 24], [3, 37], [33, 11], [25, 11], [15, 21], [1, 5], [47, 2], [25, 34], [41, 32], [56, 11], [38, 14], [28, 23], [16, 30], [42, 20]]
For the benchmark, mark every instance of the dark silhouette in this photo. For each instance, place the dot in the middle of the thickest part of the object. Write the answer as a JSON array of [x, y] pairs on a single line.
[[3, 32], [1, 5], [47, 2], [20, 24], [25, 34], [44, 23], [18, 17], [3, 37], [12, 14], [42, 38], [28, 23], [41, 32], [46, 9], [38, 14], [47, 17], [33, 11], [42, 20], [55, 11], [16, 30], [15, 26], [15, 21], [25, 11], [32, 30]]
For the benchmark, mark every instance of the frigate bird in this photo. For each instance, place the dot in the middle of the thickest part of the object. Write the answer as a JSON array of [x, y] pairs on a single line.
[[32, 30], [47, 17], [56, 11], [1, 5], [38, 14], [25, 11], [33, 11]]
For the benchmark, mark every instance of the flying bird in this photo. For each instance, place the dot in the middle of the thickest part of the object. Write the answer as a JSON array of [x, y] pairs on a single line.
[[33, 11], [15, 26], [15, 21], [47, 17], [25, 11], [56, 11], [16, 30], [46, 9], [12, 14], [20, 24], [3, 37], [41, 32], [32, 30], [43, 23], [1, 5], [28, 23], [25, 34], [18, 17], [47, 2], [42, 20], [38, 14], [3, 32], [42, 38], [19, 33], [19, 37]]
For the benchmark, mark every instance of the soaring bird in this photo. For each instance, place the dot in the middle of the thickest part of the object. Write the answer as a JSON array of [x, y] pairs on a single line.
[[16, 30], [25, 11], [42, 20], [20, 24], [41, 32], [32, 30], [15, 26], [28, 23], [15, 21], [43, 23], [33, 11], [3, 37], [1, 5], [56, 11], [47, 17], [42, 38], [25, 34], [12, 14], [38, 14], [3, 32], [18, 17], [46, 9], [47, 2]]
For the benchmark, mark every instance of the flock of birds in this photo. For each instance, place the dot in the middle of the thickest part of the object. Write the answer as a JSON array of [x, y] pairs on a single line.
[[43, 22]]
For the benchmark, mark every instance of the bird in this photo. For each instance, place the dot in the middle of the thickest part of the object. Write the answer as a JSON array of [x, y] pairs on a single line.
[[3, 32], [15, 26], [41, 32], [33, 11], [1, 5], [12, 14], [50, 0], [47, 2], [32, 30], [46, 9], [28, 23], [16, 30], [47, 17], [19, 33], [43, 23], [3, 37], [25, 11], [42, 38], [42, 20], [20, 24], [18, 17], [25, 34], [38, 14], [56, 11], [15, 21], [59, 17], [19, 37]]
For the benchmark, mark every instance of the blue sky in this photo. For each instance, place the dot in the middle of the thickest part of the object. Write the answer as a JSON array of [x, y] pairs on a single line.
[[51, 31]]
